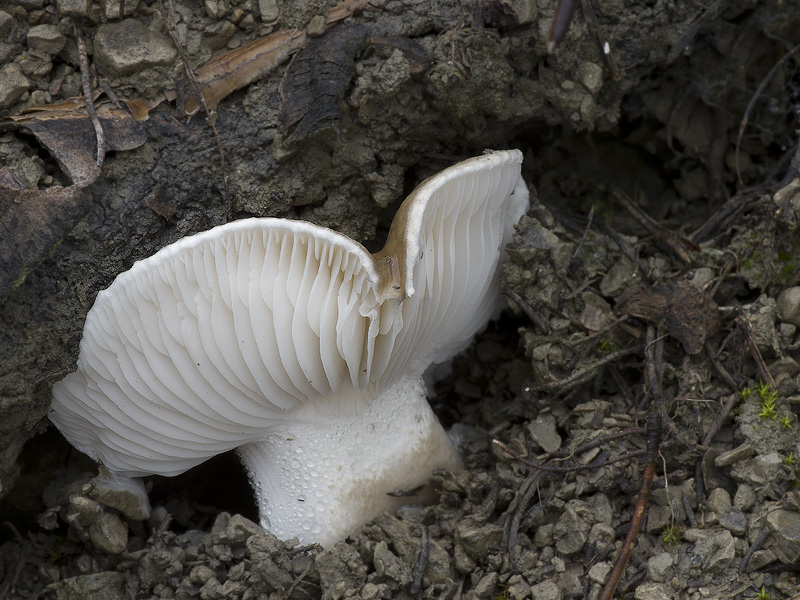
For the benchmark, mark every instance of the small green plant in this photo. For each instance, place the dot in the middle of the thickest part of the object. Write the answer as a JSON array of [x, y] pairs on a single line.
[[786, 421], [769, 398], [762, 595], [745, 392], [788, 460], [671, 535], [607, 346]]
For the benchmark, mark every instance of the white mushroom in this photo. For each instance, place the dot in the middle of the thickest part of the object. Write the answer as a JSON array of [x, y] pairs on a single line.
[[293, 344]]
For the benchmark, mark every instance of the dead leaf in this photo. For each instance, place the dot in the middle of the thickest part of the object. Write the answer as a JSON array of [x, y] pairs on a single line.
[[690, 315], [316, 79], [232, 70], [67, 132], [228, 72]]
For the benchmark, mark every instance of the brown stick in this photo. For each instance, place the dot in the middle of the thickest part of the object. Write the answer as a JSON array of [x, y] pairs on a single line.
[[653, 363], [87, 96]]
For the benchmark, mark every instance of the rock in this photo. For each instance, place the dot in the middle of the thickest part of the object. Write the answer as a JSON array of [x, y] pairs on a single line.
[[127, 47], [713, 553], [485, 586], [785, 527], [269, 9], [98, 586], [591, 75], [733, 520], [572, 528], [73, 8], [463, 563], [745, 497], [733, 456], [437, 569], [547, 590], [599, 572], [759, 471], [517, 588], [543, 431], [125, 494], [46, 38], [109, 533], [6, 21], [387, 564], [760, 559], [653, 591], [12, 85], [659, 567], [478, 541], [720, 500], [789, 306]]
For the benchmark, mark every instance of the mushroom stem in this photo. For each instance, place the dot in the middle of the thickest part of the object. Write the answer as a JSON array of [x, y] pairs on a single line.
[[323, 475]]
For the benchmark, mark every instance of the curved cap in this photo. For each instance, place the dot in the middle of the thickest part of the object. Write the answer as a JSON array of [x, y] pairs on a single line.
[[221, 336]]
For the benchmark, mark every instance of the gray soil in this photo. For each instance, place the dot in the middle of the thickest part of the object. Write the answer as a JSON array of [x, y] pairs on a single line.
[[653, 288]]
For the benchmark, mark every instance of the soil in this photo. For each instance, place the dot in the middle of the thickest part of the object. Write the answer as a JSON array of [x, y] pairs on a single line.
[[654, 307]]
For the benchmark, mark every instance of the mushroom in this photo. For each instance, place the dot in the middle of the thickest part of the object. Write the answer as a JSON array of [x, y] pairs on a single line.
[[294, 345]]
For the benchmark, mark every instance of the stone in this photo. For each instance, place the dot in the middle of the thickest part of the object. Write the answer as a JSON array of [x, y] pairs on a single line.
[[785, 527], [758, 471], [760, 559], [591, 76], [461, 560], [547, 590], [543, 431], [517, 588], [599, 572], [733, 456], [269, 9], [98, 586], [46, 38], [109, 534], [74, 8], [485, 586], [125, 494], [127, 47], [478, 541], [789, 306], [6, 21], [745, 497], [659, 567], [719, 499], [12, 85], [712, 554], [734, 521], [653, 591]]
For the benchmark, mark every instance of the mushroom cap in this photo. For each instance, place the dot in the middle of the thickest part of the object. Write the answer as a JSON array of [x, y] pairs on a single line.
[[221, 337]]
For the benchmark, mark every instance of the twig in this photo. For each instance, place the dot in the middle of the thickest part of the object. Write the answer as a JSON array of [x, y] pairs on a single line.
[[654, 368], [757, 543], [720, 419], [420, 563], [673, 242], [525, 306], [568, 469], [87, 96], [565, 10], [586, 373], [752, 103], [744, 325]]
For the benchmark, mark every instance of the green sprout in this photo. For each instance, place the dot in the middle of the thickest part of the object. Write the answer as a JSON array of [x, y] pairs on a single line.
[[786, 421], [788, 460], [763, 595], [607, 346], [745, 393], [768, 398], [671, 535]]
